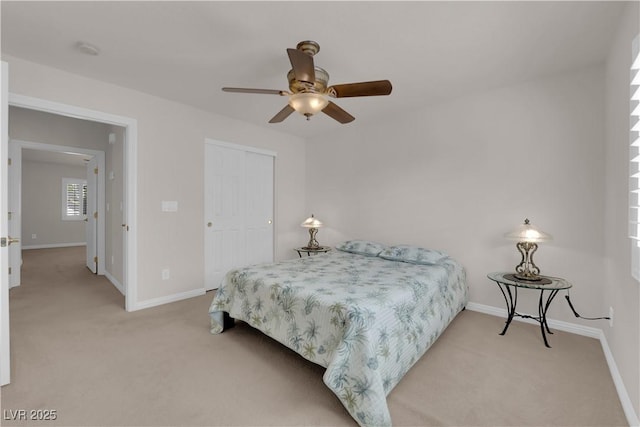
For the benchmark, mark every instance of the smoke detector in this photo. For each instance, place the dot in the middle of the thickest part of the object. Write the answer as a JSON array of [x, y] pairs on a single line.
[[88, 48]]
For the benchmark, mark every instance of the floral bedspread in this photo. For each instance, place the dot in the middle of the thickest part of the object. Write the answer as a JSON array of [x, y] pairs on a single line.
[[364, 318]]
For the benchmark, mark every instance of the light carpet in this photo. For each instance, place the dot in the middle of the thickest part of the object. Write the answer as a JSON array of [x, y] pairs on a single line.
[[76, 351]]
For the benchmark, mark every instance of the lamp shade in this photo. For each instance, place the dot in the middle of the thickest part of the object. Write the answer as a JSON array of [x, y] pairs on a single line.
[[308, 103], [311, 222], [528, 233]]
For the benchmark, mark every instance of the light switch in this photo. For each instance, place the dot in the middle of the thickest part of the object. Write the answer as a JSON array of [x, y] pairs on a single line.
[[169, 206]]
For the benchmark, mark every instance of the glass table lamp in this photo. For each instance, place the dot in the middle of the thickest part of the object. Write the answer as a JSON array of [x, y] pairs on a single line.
[[528, 238], [312, 224]]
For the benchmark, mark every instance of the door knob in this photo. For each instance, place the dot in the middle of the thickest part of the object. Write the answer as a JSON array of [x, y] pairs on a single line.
[[209, 224], [11, 240], [269, 222]]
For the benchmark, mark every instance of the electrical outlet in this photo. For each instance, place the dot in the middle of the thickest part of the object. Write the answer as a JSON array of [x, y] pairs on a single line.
[[611, 317], [166, 274], [33, 236]]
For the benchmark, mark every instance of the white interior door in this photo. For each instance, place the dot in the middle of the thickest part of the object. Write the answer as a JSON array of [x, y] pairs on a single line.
[[224, 212], [15, 214], [5, 361], [259, 224], [92, 215]]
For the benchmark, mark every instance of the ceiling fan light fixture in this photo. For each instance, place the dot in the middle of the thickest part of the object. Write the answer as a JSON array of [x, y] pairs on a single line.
[[309, 89], [308, 103]]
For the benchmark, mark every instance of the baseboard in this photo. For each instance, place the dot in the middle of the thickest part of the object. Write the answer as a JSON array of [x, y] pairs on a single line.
[[555, 324], [53, 245], [627, 405], [169, 298], [625, 401], [115, 282]]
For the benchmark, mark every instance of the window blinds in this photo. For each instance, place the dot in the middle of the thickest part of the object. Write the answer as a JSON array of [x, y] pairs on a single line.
[[74, 200], [634, 156]]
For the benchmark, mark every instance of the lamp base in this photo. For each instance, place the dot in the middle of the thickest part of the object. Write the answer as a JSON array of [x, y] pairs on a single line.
[[313, 243], [527, 270]]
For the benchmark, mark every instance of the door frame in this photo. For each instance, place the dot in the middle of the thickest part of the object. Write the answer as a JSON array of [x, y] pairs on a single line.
[[130, 178], [15, 227], [16, 162], [95, 245], [5, 341]]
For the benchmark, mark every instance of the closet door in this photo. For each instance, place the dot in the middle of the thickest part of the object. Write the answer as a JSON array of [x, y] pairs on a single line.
[[259, 225], [238, 210], [224, 212]]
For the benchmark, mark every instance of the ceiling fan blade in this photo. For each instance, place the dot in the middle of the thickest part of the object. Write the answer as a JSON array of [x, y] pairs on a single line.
[[261, 91], [337, 113], [283, 114], [302, 64], [375, 88]]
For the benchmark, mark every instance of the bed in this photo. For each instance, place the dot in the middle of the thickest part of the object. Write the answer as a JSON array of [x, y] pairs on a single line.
[[366, 312]]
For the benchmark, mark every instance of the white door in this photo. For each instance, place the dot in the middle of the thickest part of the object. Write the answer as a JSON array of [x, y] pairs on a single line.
[[224, 212], [5, 362], [92, 215], [259, 224], [238, 210], [15, 215]]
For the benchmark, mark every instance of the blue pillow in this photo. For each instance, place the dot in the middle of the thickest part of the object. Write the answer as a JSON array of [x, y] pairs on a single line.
[[413, 255], [361, 247]]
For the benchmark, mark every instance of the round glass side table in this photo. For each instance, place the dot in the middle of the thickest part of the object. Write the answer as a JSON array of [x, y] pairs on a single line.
[[509, 285]]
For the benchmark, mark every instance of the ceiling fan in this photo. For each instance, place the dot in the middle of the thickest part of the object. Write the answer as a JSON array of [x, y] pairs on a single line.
[[309, 91]]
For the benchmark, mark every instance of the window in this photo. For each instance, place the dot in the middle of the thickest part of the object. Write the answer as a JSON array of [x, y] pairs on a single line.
[[634, 156], [74, 199]]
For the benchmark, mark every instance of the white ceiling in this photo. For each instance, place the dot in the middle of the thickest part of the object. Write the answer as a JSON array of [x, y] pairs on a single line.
[[431, 51]]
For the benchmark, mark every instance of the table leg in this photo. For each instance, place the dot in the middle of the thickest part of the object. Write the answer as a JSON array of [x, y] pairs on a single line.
[[512, 301], [542, 312]]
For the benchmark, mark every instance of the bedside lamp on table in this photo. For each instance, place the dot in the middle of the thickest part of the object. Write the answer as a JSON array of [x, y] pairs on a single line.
[[528, 238], [312, 224]]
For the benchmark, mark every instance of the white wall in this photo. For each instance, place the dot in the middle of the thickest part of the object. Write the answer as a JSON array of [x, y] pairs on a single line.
[[620, 290], [170, 167], [459, 175], [42, 205], [45, 128]]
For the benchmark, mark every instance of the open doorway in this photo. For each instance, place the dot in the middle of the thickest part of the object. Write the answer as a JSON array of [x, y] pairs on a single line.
[[128, 127], [57, 199], [42, 130]]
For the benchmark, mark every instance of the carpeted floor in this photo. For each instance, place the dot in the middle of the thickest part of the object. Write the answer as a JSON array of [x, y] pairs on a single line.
[[76, 351]]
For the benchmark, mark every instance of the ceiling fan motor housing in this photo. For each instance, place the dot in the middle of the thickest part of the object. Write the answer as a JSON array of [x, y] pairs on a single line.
[[309, 47], [319, 86]]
